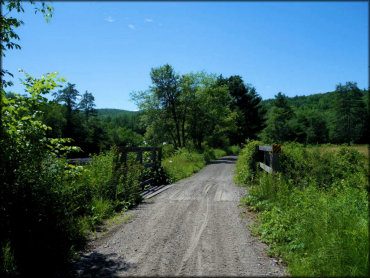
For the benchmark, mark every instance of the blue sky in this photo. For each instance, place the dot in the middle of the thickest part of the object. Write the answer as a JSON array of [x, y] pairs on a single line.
[[109, 48]]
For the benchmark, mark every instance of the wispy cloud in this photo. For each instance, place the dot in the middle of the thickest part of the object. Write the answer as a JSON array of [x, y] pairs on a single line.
[[131, 26], [109, 19], [148, 20]]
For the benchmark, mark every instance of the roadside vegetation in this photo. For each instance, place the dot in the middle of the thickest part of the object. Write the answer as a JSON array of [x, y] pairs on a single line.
[[313, 213], [183, 163]]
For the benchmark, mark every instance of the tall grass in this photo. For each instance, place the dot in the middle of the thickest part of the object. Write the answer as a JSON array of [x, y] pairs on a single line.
[[314, 213], [105, 186]]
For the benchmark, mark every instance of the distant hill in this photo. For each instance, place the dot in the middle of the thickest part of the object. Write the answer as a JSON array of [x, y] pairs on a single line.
[[121, 118], [115, 112], [322, 102]]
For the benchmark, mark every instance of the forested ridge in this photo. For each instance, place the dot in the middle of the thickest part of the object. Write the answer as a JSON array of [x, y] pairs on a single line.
[[312, 119]]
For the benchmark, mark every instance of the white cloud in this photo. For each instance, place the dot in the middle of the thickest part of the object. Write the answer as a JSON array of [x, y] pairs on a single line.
[[131, 26], [109, 19], [148, 20]]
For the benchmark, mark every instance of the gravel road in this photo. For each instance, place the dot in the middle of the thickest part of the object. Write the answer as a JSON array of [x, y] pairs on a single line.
[[193, 228]]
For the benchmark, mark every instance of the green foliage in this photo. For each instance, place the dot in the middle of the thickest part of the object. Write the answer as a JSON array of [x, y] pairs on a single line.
[[114, 118], [235, 149], [100, 209], [87, 104], [45, 203], [192, 108], [314, 212], [107, 180], [121, 136], [183, 164], [168, 150], [210, 154], [80, 122], [157, 174], [246, 165], [35, 213], [9, 24], [279, 123], [350, 113], [246, 102], [337, 117]]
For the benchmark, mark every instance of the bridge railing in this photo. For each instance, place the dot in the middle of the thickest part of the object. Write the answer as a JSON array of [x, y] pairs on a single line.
[[270, 158], [154, 159]]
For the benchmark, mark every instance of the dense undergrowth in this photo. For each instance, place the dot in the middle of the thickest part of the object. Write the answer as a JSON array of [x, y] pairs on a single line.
[[314, 212]]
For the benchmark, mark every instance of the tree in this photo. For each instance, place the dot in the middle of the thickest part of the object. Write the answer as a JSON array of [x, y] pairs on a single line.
[[246, 102], [53, 115], [192, 107], [350, 113], [209, 115], [162, 107], [317, 131], [87, 105], [166, 90], [68, 96], [279, 129]]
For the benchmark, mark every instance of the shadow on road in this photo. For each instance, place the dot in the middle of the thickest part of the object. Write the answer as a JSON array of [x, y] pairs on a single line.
[[224, 160], [99, 265]]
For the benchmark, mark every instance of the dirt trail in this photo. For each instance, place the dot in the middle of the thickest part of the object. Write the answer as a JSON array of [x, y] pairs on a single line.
[[194, 228]]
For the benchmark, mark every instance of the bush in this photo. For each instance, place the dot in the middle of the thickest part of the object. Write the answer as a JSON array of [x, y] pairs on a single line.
[[314, 213], [157, 174], [186, 162], [105, 183], [168, 150], [246, 165], [235, 149], [183, 164]]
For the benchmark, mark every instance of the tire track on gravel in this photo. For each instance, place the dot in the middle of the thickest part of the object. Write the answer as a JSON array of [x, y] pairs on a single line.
[[193, 228]]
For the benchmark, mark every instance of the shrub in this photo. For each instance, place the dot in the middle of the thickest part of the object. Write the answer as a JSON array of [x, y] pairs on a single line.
[[246, 165], [183, 164], [105, 183], [235, 149]]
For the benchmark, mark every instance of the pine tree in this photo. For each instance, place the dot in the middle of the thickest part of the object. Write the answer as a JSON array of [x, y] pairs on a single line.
[[350, 113]]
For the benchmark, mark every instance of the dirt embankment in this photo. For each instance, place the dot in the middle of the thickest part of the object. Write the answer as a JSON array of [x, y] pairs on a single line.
[[193, 228]]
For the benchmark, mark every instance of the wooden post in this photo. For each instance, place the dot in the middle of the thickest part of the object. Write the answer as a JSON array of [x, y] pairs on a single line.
[[270, 158], [124, 158], [275, 162], [160, 156], [153, 155], [139, 157]]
